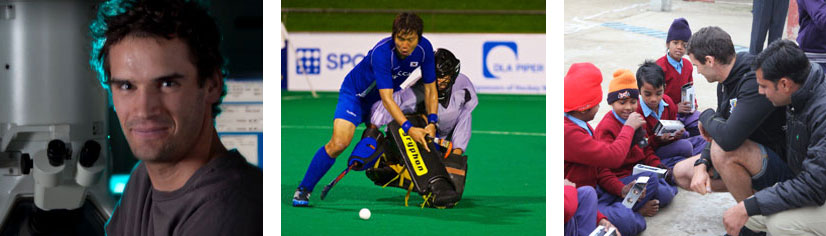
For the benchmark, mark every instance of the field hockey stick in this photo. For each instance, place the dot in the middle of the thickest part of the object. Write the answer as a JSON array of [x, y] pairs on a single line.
[[330, 186]]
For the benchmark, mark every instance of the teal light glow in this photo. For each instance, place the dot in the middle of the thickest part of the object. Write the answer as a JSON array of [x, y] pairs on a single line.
[[117, 183]]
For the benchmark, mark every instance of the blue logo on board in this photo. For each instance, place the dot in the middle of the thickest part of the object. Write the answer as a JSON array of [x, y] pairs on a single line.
[[308, 61], [500, 59], [487, 47]]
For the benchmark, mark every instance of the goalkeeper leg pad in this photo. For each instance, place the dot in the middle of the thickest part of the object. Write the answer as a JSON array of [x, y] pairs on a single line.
[[426, 169], [456, 166]]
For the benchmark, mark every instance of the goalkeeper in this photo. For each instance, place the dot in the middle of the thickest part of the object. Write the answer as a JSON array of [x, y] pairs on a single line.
[[457, 99]]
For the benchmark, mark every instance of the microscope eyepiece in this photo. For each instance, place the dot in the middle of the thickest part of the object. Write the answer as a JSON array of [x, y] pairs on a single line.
[[90, 153], [26, 163], [56, 152]]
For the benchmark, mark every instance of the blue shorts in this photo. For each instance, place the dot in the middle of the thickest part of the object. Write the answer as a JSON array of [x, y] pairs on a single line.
[[774, 170], [353, 108]]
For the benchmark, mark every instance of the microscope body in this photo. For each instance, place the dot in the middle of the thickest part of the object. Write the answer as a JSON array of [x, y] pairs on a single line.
[[53, 127]]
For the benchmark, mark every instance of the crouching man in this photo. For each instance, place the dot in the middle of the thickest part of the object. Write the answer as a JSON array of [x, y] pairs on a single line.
[[794, 206]]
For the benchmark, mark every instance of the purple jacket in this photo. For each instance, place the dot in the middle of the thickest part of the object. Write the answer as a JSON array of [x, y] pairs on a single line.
[[454, 119], [812, 33]]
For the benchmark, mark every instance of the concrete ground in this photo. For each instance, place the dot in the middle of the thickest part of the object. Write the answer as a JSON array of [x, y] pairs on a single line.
[[621, 34]]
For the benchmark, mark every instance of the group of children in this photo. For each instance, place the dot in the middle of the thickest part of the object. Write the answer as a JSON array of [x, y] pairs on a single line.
[[599, 162]]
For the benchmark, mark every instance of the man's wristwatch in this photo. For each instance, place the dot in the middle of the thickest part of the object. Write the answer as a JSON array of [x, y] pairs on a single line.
[[701, 161], [706, 161]]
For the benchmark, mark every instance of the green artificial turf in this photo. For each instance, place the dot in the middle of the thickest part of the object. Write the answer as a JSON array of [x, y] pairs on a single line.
[[504, 193]]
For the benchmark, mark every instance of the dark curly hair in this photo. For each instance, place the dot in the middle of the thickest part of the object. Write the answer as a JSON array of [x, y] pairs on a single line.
[[782, 58], [711, 41], [168, 19], [650, 73], [407, 22]]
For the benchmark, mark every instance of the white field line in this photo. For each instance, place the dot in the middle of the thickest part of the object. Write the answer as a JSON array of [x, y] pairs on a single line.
[[508, 133], [307, 97]]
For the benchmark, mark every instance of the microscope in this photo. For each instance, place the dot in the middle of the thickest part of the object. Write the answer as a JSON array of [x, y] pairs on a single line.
[[54, 154]]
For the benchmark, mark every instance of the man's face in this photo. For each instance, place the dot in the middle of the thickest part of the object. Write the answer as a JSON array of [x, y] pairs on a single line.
[[704, 69], [676, 49], [162, 110], [443, 82], [651, 96], [406, 41], [624, 107], [769, 89]]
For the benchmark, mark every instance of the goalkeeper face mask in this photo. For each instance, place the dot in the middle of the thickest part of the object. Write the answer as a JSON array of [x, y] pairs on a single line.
[[447, 69]]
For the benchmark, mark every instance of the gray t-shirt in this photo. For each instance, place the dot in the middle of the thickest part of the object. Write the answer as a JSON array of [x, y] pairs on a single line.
[[224, 197]]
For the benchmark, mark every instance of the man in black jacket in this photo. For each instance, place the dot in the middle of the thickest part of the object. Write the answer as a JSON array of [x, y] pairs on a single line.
[[745, 132], [794, 206]]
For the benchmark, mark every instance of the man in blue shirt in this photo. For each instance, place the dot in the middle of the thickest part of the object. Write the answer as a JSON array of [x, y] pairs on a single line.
[[375, 78]]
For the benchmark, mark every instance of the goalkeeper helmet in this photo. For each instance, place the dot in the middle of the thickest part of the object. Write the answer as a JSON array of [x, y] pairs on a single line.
[[446, 65]]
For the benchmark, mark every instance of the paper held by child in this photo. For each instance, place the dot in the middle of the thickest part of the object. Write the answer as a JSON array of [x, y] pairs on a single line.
[[640, 168], [635, 192], [602, 231], [688, 95], [668, 127]]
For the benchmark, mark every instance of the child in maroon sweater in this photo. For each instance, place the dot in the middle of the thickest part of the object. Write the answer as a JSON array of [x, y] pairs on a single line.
[[585, 156], [656, 106], [623, 97], [588, 161], [678, 72]]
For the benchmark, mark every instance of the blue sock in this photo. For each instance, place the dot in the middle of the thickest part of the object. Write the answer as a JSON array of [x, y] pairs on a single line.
[[318, 167]]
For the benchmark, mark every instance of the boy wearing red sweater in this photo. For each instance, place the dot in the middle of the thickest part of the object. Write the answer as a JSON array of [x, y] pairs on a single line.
[[678, 72], [623, 99], [656, 106], [622, 96], [588, 160]]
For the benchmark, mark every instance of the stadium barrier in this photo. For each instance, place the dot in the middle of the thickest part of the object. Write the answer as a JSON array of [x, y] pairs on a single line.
[[496, 63]]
